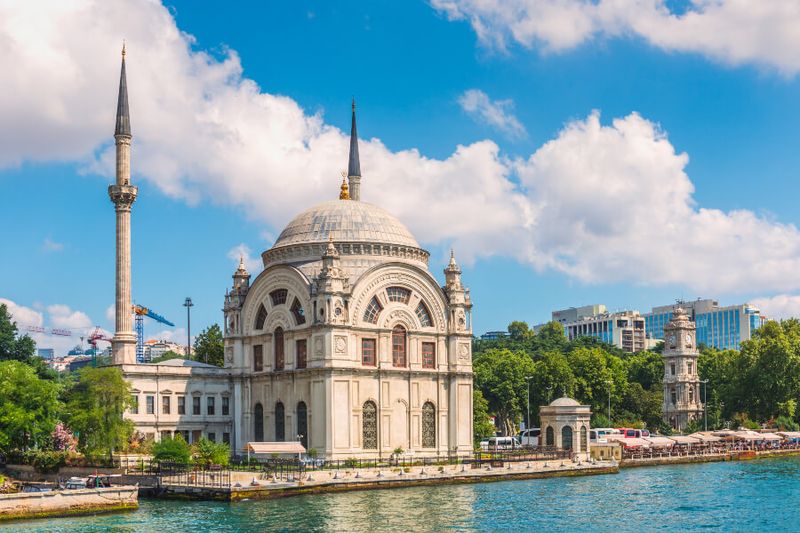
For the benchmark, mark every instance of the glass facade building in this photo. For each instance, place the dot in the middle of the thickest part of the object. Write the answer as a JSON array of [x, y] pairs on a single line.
[[718, 327]]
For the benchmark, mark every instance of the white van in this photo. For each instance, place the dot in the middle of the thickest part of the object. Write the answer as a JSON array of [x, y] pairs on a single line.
[[501, 443], [530, 437], [598, 435]]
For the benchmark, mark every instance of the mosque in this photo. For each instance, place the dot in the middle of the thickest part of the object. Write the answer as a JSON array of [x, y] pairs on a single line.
[[344, 342]]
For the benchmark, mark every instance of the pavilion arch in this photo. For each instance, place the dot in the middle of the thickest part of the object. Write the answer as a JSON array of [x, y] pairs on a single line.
[[380, 277], [275, 277]]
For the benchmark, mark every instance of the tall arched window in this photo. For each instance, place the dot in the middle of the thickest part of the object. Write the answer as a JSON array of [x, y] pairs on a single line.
[[302, 423], [582, 445], [280, 423], [428, 425], [566, 437], [550, 438], [369, 426], [258, 423], [261, 317], [399, 346], [278, 341]]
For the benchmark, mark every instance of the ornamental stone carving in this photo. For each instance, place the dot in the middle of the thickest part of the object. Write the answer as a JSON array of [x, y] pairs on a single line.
[[340, 344]]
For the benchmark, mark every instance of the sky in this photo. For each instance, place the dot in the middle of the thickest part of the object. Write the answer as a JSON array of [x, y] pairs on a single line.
[[570, 152]]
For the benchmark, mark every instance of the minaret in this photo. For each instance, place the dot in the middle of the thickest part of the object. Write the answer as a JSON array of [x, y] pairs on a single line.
[[123, 194], [354, 165]]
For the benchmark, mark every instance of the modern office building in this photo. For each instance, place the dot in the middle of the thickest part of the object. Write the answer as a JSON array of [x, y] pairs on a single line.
[[573, 314], [48, 354], [718, 327], [624, 329], [494, 335]]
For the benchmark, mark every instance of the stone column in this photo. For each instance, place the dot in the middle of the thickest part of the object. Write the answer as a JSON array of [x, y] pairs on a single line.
[[123, 194]]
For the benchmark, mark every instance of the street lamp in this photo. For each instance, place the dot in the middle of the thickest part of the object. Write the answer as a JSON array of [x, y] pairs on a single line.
[[528, 419], [188, 305], [609, 383], [705, 402]]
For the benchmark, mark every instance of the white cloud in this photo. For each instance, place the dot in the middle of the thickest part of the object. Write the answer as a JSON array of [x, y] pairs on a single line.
[[111, 314], [59, 317], [496, 113], [50, 245], [242, 251], [780, 306], [600, 203], [733, 32]]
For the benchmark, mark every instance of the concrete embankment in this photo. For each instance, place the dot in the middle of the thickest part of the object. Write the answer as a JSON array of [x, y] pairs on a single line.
[[667, 459], [25, 505], [245, 486]]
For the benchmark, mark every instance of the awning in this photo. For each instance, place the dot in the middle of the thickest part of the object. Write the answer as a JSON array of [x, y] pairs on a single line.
[[275, 447], [630, 442], [705, 437], [683, 439], [770, 436], [789, 434], [660, 442]]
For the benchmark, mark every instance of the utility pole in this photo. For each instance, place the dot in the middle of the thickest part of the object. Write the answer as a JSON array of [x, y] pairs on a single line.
[[528, 420], [188, 305], [609, 383]]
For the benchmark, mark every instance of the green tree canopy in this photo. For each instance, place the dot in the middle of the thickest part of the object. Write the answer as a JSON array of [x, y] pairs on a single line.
[[207, 452], [95, 407], [481, 422], [166, 356], [500, 375], [29, 406], [172, 450], [209, 346]]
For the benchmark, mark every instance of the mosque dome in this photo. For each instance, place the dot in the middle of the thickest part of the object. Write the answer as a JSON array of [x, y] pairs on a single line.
[[564, 402], [345, 221]]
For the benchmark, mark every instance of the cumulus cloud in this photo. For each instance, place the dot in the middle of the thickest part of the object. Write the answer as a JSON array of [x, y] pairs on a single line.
[[599, 202], [111, 314], [39, 325], [498, 114], [733, 32], [251, 263], [779, 306]]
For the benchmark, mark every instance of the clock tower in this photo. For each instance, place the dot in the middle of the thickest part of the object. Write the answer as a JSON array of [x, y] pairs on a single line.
[[681, 380]]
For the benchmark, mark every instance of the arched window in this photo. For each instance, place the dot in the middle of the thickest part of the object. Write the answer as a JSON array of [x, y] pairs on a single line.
[[277, 340], [261, 317], [691, 394], [372, 311], [428, 425], [566, 437], [582, 446], [297, 311], [280, 423], [398, 294], [399, 346], [550, 438], [302, 423], [258, 423], [369, 426], [278, 296], [423, 315]]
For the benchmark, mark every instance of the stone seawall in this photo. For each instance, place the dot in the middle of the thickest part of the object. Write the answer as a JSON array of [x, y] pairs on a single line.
[[707, 458], [25, 505]]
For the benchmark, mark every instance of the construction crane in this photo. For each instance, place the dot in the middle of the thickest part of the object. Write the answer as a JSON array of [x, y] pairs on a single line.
[[96, 336], [141, 312]]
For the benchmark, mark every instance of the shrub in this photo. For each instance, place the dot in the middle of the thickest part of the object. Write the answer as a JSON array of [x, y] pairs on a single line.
[[350, 462], [46, 462], [207, 453], [173, 450], [63, 439]]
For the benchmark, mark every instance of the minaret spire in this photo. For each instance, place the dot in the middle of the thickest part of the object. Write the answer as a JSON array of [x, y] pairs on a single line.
[[354, 164], [123, 194], [123, 115]]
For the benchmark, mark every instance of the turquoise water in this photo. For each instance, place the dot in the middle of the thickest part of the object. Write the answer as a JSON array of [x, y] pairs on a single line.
[[761, 495]]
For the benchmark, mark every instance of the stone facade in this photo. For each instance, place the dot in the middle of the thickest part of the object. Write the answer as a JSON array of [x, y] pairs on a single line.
[[565, 425], [681, 381]]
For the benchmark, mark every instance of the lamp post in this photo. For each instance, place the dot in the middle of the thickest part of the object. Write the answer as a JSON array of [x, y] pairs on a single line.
[[528, 419], [705, 403], [609, 383], [188, 305]]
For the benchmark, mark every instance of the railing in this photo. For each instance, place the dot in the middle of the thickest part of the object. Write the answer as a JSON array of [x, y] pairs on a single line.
[[698, 450], [185, 475]]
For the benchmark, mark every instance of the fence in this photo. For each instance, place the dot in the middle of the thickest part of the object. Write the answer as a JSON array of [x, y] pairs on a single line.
[[716, 448]]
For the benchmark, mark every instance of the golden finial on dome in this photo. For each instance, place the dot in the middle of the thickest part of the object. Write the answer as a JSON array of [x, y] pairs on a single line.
[[345, 192]]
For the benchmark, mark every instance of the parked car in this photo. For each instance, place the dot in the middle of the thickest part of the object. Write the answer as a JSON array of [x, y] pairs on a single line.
[[501, 443], [599, 435], [630, 433], [530, 437]]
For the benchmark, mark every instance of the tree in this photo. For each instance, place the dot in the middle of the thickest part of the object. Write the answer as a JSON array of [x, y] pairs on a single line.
[[209, 346], [13, 347], [518, 330], [172, 450], [95, 408], [208, 452], [28, 406], [500, 376], [481, 422]]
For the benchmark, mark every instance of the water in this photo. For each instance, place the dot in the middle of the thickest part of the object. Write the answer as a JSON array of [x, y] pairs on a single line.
[[761, 495]]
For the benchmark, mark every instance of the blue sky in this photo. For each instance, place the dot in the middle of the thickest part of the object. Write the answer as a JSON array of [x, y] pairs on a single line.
[[729, 102]]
